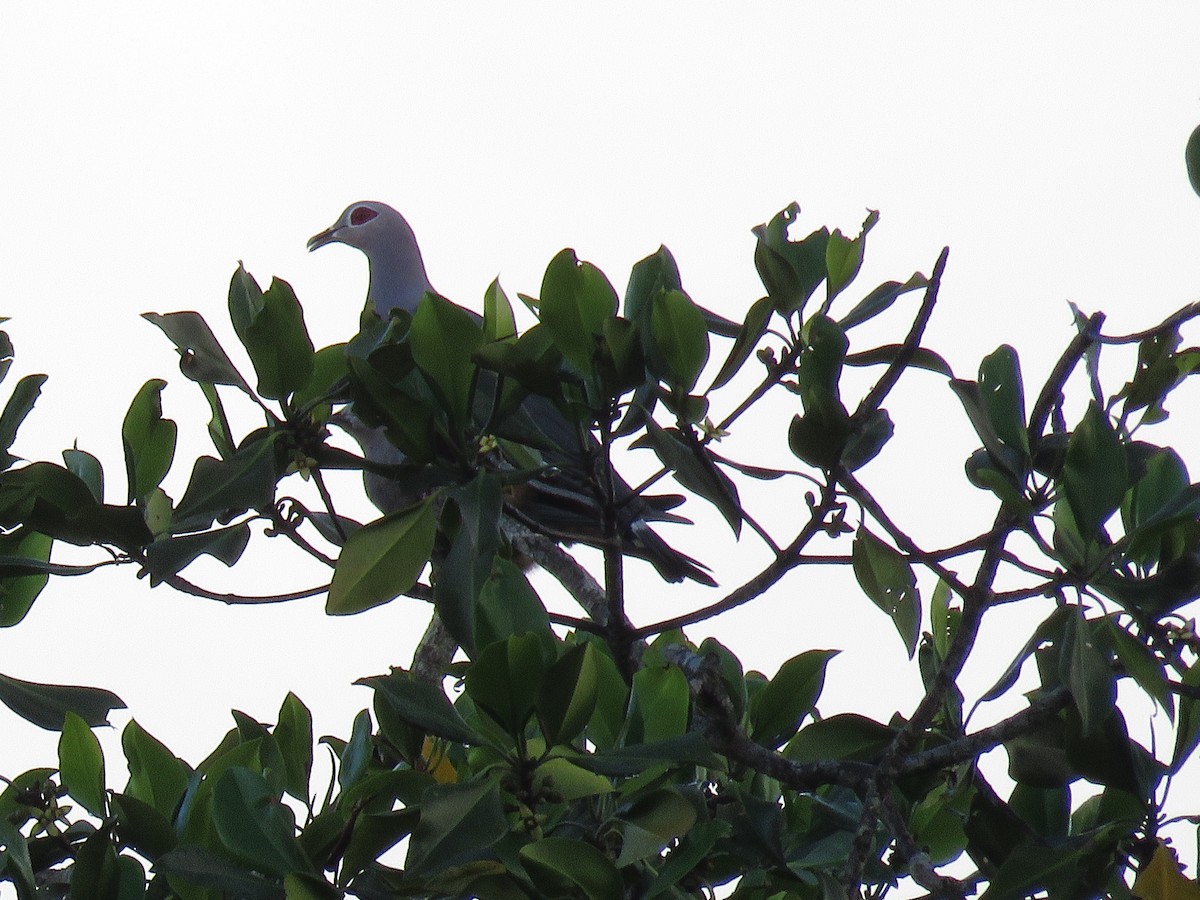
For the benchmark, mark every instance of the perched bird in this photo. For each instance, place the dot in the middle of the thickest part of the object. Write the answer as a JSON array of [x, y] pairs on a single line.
[[563, 506]]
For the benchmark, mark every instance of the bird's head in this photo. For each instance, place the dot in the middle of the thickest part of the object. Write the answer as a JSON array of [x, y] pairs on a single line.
[[398, 277]]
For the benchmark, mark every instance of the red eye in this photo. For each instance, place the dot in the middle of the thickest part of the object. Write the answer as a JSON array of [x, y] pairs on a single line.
[[362, 215]]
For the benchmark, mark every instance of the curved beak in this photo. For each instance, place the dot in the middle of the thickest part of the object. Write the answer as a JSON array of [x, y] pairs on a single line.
[[328, 236]]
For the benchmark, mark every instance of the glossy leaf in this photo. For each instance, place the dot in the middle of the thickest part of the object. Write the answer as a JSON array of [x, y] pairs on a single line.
[[357, 753], [922, 357], [880, 299], [170, 555], [381, 561], [468, 563], [505, 679], [220, 487], [270, 325], [421, 704], [1087, 673], [157, 777], [789, 270], [19, 405], [459, 823], [96, 874], [81, 764], [253, 825], [576, 301], [329, 368], [658, 705], [1002, 392], [694, 468], [87, 469], [562, 866], [149, 440], [746, 341], [680, 339], [844, 256], [566, 696], [18, 591], [198, 866], [780, 707], [508, 605], [294, 734], [444, 338], [653, 823], [649, 277], [47, 705], [842, 736], [886, 577], [1095, 474], [142, 826], [499, 323], [201, 357]]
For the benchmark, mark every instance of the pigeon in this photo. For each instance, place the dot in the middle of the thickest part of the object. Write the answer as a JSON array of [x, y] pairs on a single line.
[[563, 507]]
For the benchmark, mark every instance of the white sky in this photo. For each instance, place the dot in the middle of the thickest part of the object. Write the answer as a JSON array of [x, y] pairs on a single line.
[[146, 151]]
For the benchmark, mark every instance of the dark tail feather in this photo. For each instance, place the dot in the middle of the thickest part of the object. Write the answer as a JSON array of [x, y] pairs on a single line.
[[672, 565]]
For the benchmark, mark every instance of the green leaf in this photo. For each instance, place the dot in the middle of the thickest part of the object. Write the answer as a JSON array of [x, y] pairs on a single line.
[[844, 256], [201, 357], [1140, 664], [270, 326], [886, 577], [14, 858], [842, 736], [566, 697], [169, 555], [294, 735], [693, 467], [459, 823], [506, 676], [880, 299], [96, 874], [693, 849], [658, 706], [680, 339], [19, 405], [142, 826], [1087, 673], [779, 707], [329, 369], [254, 826], [1095, 473], [747, 339], [382, 560], [649, 277], [1187, 732], [885, 354], [157, 777], [499, 323], [47, 705], [473, 511], [87, 469], [421, 704], [1003, 395], [149, 440], [198, 866], [81, 763], [18, 591], [357, 753], [562, 866], [654, 823], [576, 300], [444, 338], [508, 605], [219, 488], [790, 270]]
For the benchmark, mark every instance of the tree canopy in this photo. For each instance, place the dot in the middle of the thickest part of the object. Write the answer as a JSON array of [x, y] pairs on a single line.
[[527, 751]]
